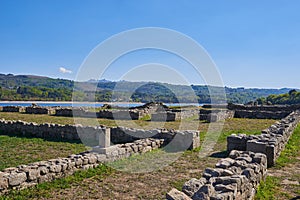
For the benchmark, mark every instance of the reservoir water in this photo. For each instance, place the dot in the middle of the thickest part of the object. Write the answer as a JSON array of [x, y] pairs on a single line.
[[85, 104]]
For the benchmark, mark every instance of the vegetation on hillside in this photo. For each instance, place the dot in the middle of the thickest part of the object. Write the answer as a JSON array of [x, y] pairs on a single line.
[[292, 97], [27, 87]]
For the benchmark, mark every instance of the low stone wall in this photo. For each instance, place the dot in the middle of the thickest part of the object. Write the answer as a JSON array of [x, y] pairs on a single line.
[[12, 109], [215, 115], [260, 114], [238, 176], [106, 114], [150, 108], [39, 110], [78, 112], [270, 142], [219, 106], [271, 108], [262, 111], [90, 134], [173, 115], [165, 116], [29, 175], [49, 131], [64, 112], [189, 139], [235, 177], [120, 114]]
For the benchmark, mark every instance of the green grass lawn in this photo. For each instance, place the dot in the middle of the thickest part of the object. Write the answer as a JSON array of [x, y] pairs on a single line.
[[15, 151], [234, 125]]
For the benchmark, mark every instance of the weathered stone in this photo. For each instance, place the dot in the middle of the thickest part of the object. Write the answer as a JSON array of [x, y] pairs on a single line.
[[174, 194], [33, 174], [45, 178], [226, 188], [78, 162], [207, 189], [213, 172], [192, 186], [234, 154], [3, 181], [256, 146], [43, 170], [225, 163], [226, 172], [15, 179], [248, 159], [92, 159], [249, 173], [201, 196], [224, 196]]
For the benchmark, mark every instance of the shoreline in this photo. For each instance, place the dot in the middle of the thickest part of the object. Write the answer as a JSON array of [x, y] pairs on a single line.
[[70, 102]]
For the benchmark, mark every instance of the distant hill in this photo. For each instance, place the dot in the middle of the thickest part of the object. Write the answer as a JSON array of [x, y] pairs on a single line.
[[29, 87], [292, 97], [11, 81]]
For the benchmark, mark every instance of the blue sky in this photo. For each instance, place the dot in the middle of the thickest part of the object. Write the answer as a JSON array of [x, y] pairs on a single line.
[[253, 43]]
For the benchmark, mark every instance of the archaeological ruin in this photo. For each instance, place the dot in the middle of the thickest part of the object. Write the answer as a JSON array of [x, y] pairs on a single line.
[[234, 177]]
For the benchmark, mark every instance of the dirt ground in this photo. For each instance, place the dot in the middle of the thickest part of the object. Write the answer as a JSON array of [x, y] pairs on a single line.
[[289, 177], [124, 185]]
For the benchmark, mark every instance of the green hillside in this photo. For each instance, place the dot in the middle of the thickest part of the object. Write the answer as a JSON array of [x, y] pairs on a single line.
[[29, 87]]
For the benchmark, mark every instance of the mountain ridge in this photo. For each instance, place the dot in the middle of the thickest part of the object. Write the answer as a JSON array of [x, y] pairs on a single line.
[[34, 87]]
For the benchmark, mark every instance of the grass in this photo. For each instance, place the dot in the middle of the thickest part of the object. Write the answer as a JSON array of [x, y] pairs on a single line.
[[237, 125], [15, 151], [291, 151], [286, 168], [148, 162], [267, 189]]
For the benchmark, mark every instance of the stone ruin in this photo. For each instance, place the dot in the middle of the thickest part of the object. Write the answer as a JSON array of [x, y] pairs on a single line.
[[174, 115], [160, 112], [25, 176], [157, 111], [12, 109], [270, 142], [238, 176], [215, 115], [150, 108], [127, 142], [262, 111], [35, 109], [117, 135], [235, 177]]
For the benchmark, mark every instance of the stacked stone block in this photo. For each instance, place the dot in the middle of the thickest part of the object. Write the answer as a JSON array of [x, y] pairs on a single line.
[[235, 177], [272, 140], [262, 111], [190, 139], [215, 115], [39, 110], [88, 134], [173, 115], [12, 109]]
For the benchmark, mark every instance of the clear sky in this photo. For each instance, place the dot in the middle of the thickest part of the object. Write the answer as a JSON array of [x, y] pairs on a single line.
[[253, 43]]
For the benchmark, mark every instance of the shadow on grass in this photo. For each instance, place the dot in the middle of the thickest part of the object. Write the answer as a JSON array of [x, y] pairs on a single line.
[[221, 154]]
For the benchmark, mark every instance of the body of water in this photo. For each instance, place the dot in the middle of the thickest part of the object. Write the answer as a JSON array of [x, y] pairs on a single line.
[[79, 104]]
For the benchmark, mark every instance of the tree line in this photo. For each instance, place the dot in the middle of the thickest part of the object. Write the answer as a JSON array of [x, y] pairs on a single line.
[[292, 97]]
